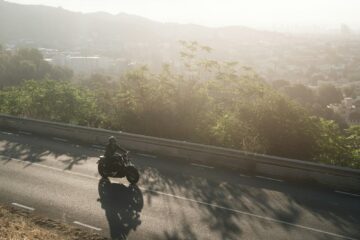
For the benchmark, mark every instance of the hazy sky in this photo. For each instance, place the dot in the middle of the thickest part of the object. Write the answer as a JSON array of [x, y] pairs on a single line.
[[254, 13]]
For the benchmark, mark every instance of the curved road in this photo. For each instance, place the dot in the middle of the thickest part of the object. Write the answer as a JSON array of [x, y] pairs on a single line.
[[174, 200]]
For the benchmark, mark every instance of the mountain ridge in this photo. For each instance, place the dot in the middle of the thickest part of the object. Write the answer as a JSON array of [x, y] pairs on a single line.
[[53, 14], [121, 35]]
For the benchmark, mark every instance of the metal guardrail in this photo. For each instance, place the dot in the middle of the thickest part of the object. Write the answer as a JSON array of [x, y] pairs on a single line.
[[338, 177]]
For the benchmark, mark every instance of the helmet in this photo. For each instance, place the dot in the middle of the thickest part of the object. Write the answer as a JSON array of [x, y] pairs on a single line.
[[112, 139]]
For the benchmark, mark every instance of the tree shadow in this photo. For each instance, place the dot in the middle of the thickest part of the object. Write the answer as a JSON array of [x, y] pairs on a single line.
[[122, 205], [187, 232], [67, 154], [222, 191], [231, 201]]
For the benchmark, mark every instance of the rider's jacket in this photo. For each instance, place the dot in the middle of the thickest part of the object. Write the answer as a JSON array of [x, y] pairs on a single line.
[[111, 150]]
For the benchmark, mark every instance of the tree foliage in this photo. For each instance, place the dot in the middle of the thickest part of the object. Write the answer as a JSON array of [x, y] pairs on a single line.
[[211, 102], [336, 148], [50, 100], [26, 64], [328, 94]]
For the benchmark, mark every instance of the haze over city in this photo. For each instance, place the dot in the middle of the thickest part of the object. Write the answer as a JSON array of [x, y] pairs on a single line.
[[179, 119], [280, 15]]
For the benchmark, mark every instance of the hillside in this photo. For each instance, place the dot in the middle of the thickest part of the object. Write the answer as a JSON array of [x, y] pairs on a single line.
[[41, 26]]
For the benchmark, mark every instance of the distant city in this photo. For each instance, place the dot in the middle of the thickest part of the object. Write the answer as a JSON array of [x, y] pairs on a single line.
[[101, 43], [86, 65]]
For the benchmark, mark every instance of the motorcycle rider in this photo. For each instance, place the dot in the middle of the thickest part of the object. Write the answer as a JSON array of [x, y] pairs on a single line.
[[112, 148]]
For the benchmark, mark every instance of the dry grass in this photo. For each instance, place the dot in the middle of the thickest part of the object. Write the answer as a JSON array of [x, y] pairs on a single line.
[[14, 226], [19, 225]]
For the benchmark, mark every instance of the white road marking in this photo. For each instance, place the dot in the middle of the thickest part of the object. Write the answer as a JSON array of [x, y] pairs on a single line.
[[205, 203], [251, 214], [201, 165], [60, 139], [88, 226], [53, 168], [146, 155], [271, 179], [346, 193], [23, 132], [7, 133], [23, 206], [98, 146], [243, 175]]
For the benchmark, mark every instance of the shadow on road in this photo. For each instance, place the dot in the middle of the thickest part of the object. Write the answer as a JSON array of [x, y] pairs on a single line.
[[281, 201], [122, 205], [42, 149]]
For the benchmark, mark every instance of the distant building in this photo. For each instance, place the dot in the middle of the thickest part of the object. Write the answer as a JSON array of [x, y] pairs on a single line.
[[78, 63], [83, 64], [354, 118], [348, 109]]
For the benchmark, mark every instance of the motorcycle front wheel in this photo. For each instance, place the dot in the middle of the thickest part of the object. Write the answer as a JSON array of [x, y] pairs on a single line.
[[132, 174], [102, 169]]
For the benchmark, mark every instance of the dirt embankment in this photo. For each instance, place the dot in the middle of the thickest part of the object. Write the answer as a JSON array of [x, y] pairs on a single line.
[[16, 224]]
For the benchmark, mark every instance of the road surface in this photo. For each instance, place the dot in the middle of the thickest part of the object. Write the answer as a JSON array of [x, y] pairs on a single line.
[[57, 178]]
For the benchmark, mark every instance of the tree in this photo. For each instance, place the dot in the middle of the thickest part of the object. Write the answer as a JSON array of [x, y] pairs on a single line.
[[50, 100], [217, 103], [328, 94], [280, 83], [164, 104], [332, 147], [353, 141], [355, 116], [300, 93], [349, 91], [357, 103], [25, 64]]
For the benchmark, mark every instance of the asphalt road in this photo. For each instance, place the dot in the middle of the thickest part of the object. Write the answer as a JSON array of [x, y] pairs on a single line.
[[173, 200]]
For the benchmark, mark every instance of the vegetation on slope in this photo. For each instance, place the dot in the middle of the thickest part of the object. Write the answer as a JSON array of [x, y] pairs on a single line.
[[211, 102]]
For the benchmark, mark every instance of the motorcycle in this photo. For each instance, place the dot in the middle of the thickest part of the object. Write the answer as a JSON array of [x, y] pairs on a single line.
[[118, 167]]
